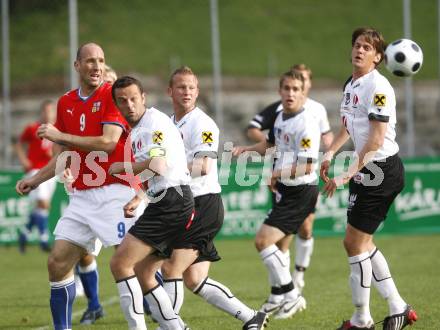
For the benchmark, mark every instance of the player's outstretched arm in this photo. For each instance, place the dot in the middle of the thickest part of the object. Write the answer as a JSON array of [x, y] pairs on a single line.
[[105, 142], [157, 165], [260, 147], [255, 134], [24, 186]]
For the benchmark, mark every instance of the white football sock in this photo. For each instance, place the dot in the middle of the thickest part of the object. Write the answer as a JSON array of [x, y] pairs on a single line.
[[162, 310], [360, 282], [130, 296], [276, 264], [221, 297], [303, 251], [174, 289], [384, 283], [287, 257]]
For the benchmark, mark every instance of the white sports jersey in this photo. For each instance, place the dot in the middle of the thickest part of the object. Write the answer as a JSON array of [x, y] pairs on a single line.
[[371, 97], [319, 113], [200, 136], [296, 137], [155, 135]]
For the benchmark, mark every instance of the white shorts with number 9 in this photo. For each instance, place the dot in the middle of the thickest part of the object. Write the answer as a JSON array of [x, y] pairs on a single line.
[[96, 213]]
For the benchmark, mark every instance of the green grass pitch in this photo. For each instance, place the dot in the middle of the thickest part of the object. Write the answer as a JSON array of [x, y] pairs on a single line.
[[414, 263]]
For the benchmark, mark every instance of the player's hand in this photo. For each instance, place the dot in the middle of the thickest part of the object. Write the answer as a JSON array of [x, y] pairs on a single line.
[[238, 150], [323, 172], [48, 131], [68, 179], [332, 184], [116, 168], [24, 186], [131, 206], [273, 180]]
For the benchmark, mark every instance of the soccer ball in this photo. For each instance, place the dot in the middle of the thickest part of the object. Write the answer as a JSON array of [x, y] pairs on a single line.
[[403, 57]]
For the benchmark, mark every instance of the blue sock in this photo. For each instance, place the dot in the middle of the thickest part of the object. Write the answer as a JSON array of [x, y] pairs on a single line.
[[159, 277], [62, 295], [89, 278], [40, 218]]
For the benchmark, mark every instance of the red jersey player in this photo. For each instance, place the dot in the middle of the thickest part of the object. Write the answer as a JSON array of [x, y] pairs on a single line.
[[93, 132], [38, 154]]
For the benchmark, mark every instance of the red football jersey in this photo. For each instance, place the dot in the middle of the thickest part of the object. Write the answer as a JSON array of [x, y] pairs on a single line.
[[39, 150], [86, 117]]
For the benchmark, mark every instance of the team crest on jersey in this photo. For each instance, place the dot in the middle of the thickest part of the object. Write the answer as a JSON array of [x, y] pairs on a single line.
[[96, 106], [277, 132], [355, 99], [358, 177], [207, 137], [347, 98], [306, 143], [157, 137], [139, 145], [380, 100], [136, 146]]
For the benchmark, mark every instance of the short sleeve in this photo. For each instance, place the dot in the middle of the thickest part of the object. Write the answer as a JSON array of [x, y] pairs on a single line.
[[59, 124], [112, 114], [266, 118], [205, 139], [157, 138], [324, 125], [382, 102]]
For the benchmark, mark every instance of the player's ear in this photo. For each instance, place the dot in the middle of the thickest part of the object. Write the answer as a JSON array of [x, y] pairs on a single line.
[[144, 97], [377, 58], [76, 65], [170, 91]]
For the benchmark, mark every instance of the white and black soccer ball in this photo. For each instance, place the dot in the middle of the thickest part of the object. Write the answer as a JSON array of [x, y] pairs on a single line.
[[403, 57]]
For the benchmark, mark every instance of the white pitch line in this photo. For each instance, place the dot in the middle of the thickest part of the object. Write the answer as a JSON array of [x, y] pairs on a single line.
[[108, 302]]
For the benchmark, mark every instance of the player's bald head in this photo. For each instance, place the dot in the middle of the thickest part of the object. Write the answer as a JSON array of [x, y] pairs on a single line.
[[84, 48]]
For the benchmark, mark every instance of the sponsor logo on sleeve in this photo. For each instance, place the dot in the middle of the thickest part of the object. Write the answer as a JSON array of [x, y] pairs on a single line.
[[207, 137], [157, 137], [380, 100]]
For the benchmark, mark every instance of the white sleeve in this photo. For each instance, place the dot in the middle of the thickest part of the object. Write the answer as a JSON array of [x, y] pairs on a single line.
[[157, 140], [324, 125], [308, 140], [205, 139], [382, 102]]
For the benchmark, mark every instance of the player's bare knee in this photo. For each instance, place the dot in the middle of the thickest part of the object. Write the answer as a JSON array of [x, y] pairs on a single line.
[[305, 232], [117, 266], [192, 279], [166, 269], [57, 267], [86, 260], [261, 243], [43, 204], [349, 244]]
